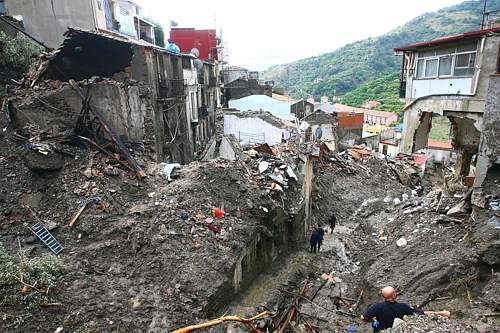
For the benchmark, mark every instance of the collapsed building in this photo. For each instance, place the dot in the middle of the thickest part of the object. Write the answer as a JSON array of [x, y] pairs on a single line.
[[170, 102]]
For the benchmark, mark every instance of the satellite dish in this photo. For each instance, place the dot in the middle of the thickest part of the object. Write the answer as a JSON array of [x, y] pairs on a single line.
[[195, 52], [318, 133], [198, 64]]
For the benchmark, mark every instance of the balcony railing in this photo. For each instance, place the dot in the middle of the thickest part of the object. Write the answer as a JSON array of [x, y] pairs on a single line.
[[171, 88]]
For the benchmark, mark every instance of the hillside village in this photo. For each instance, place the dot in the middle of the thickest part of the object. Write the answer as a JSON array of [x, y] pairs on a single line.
[[149, 185]]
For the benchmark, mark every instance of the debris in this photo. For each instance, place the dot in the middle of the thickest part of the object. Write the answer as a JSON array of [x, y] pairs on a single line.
[[47, 238], [247, 322], [358, 301], [291, 174], [184, 216], [459, 209], [401, 242], [168, 170], [38, 162], [352, 328], [111, 133], [81, 208], [219, 213], [264, 149], [263, 166]]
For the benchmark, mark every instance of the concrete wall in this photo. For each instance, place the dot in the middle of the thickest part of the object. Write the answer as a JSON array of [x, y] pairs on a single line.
[[425, 87], [48, 20], [489, 148], [126, 108]]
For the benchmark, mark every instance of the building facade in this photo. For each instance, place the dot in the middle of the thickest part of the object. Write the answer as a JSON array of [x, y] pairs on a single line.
[[48, 20], [449, 76]]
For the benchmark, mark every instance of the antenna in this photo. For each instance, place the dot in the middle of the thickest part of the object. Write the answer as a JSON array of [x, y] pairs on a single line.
[[484, 15]]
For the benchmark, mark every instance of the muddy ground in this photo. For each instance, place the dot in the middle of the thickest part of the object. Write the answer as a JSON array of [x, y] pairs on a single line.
[[134, 265], [442, 259]]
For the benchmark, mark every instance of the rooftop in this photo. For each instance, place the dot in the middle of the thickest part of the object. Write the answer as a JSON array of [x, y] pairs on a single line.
[[439, 145], [447, 39]]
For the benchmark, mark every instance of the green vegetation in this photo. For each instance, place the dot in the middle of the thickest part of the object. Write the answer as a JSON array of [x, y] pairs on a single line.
[[441, 128], [346, 68], [384, 89], [17, 53], [27, 283]]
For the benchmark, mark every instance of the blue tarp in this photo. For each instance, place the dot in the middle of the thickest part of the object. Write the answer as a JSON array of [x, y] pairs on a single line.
[[264, 103]]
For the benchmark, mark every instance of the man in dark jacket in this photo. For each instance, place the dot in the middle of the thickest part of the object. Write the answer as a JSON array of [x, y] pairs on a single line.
[[333, 220], [383, 314], [314, 240]]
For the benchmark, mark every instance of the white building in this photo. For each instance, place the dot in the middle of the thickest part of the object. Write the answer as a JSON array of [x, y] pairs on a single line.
[[256, 127]]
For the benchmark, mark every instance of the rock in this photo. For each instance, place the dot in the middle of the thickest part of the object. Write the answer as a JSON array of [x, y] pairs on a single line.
[[87, 173], [51, 225], [37, 162], [459, 209], [401, 242], [163, 230], [249, 204]]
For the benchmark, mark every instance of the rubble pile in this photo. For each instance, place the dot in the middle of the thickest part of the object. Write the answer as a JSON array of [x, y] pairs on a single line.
[[436, 324], [145, 254]]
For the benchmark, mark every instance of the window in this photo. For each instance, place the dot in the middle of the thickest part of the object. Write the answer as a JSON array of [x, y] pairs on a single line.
[[445, 65], [420, 68], [444, 62], [464, 64], [431, 66]]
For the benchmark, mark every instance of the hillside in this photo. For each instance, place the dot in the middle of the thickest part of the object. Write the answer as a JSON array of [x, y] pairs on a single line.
[[346, 68], [384, 89]]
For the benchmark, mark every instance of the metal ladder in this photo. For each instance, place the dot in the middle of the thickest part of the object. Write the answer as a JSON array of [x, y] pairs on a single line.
[[46, 237]]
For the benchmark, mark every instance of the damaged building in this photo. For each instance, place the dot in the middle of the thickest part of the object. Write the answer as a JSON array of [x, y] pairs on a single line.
[[48, 20], [454, 77], [146, 93]]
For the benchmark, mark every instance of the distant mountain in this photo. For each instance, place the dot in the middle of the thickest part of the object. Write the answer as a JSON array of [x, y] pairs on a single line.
[[344, 69]]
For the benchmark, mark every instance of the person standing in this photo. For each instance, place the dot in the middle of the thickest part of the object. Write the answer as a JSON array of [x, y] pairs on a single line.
[[333, 221], [321, 235], [314, 240]]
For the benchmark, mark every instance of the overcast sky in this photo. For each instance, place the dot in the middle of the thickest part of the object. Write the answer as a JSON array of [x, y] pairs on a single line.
[[262, 33]]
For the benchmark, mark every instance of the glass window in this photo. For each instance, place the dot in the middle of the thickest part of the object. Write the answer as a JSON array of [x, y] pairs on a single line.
[[431, 66], [462, 60], [445, 66], [420, 68], [464, 64]]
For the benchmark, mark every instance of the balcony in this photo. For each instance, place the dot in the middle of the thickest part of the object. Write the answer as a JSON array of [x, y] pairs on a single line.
[[171, 88], [203, 112]]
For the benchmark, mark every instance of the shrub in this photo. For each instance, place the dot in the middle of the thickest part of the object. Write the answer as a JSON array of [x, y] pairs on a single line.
[[18, 51], [41, 273]]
